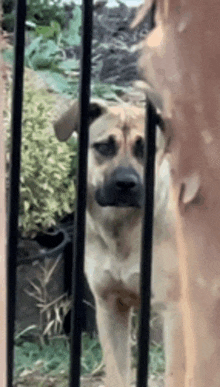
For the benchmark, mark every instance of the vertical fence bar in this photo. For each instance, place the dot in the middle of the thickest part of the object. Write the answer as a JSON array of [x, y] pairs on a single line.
[[3, 282], [79, 237], [14, 178], [147, 244]]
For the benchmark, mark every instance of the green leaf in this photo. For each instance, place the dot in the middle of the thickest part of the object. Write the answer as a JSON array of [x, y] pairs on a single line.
[[72, 36], [33, 46], [58, 82], [56, 26], [49, 31], [45, 31], [69, 65], [41, 54]]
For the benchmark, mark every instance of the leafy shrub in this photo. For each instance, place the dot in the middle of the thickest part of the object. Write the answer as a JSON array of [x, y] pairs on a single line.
[[38, 12], [46, 54], [43, 11], [47, 190]]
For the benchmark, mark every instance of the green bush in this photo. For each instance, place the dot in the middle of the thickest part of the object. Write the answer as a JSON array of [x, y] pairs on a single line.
[[47, 190], [46, 53], [38, 12], [43, 11]]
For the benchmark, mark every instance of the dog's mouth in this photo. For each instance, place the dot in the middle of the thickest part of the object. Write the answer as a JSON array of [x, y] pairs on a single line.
[[123, 189], [125, 199]]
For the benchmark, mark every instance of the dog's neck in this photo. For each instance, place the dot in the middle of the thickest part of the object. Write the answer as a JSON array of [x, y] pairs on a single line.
[[114, 226]]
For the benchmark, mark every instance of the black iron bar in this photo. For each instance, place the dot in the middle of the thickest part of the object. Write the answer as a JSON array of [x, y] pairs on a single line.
[[147, 244], [14, 179], [79, 237]]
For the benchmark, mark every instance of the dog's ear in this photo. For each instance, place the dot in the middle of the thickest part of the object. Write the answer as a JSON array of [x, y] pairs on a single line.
[[69, 121]]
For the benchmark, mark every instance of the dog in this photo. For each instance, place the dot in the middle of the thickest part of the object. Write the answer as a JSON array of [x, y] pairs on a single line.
[[114, 215]]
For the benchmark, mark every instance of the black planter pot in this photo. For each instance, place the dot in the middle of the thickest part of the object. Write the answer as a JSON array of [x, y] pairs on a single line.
[[49, 245], [45, 245]]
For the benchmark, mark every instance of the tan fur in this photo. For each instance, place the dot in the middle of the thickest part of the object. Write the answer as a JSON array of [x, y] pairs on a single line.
[[180, 61], [113, 245]]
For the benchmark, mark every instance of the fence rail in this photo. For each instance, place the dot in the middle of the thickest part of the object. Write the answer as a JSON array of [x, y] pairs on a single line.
[[14, 179], [77, 278]]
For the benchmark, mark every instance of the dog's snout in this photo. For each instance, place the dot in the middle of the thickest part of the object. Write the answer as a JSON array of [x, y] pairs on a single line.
[[122, 189], [126, 181]]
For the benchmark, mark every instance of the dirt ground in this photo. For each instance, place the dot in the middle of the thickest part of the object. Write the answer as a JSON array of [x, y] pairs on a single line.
[[37, 380], [99, 382]]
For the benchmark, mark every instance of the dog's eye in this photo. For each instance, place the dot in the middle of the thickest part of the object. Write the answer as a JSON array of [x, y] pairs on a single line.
[[107, 148], [139, 149]]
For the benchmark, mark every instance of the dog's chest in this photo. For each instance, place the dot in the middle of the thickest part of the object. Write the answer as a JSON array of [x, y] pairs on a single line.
[[113, 259]]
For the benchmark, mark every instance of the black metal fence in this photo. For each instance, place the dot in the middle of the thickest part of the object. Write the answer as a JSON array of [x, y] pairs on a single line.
[[77, 278]]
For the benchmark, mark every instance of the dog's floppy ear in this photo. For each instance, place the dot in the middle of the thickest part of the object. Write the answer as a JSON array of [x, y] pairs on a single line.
[[69, 121]]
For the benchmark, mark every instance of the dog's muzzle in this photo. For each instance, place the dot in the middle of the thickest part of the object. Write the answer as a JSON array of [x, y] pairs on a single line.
[[123, 189]]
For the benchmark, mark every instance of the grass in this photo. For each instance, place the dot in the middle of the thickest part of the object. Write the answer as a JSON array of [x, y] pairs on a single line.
[[52, 360], [48, 365], [53, 357]]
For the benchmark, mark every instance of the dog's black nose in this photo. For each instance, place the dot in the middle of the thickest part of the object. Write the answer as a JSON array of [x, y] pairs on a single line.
[[125, 184], [124, 188], [126, 179]]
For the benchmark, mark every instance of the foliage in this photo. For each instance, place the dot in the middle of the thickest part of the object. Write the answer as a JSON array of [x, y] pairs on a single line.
[[47, 190], [157, 359], [108, 91], [42, 54], [46, 54], [91, 354], [63, 37], [38, 12], [156, 351], [71, 36], [53, 358], [49, 39], [51, 312], [42, 12], [46, 49]]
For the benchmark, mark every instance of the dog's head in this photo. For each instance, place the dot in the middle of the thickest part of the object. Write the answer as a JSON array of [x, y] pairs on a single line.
[[116, 152]]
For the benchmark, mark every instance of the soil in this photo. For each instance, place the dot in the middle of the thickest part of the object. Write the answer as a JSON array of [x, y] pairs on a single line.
[[37, 380]]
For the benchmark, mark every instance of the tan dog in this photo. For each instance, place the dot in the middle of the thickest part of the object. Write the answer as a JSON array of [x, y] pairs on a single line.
[[113, 233]]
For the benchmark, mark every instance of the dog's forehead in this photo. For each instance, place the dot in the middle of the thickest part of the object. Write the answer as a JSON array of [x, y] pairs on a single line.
[[117, 120]]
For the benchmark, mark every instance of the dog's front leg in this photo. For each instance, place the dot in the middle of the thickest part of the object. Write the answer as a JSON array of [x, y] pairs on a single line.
[[113, 318]]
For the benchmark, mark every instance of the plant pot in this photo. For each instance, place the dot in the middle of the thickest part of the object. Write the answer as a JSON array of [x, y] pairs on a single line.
[[44, 250], [39, 260]]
